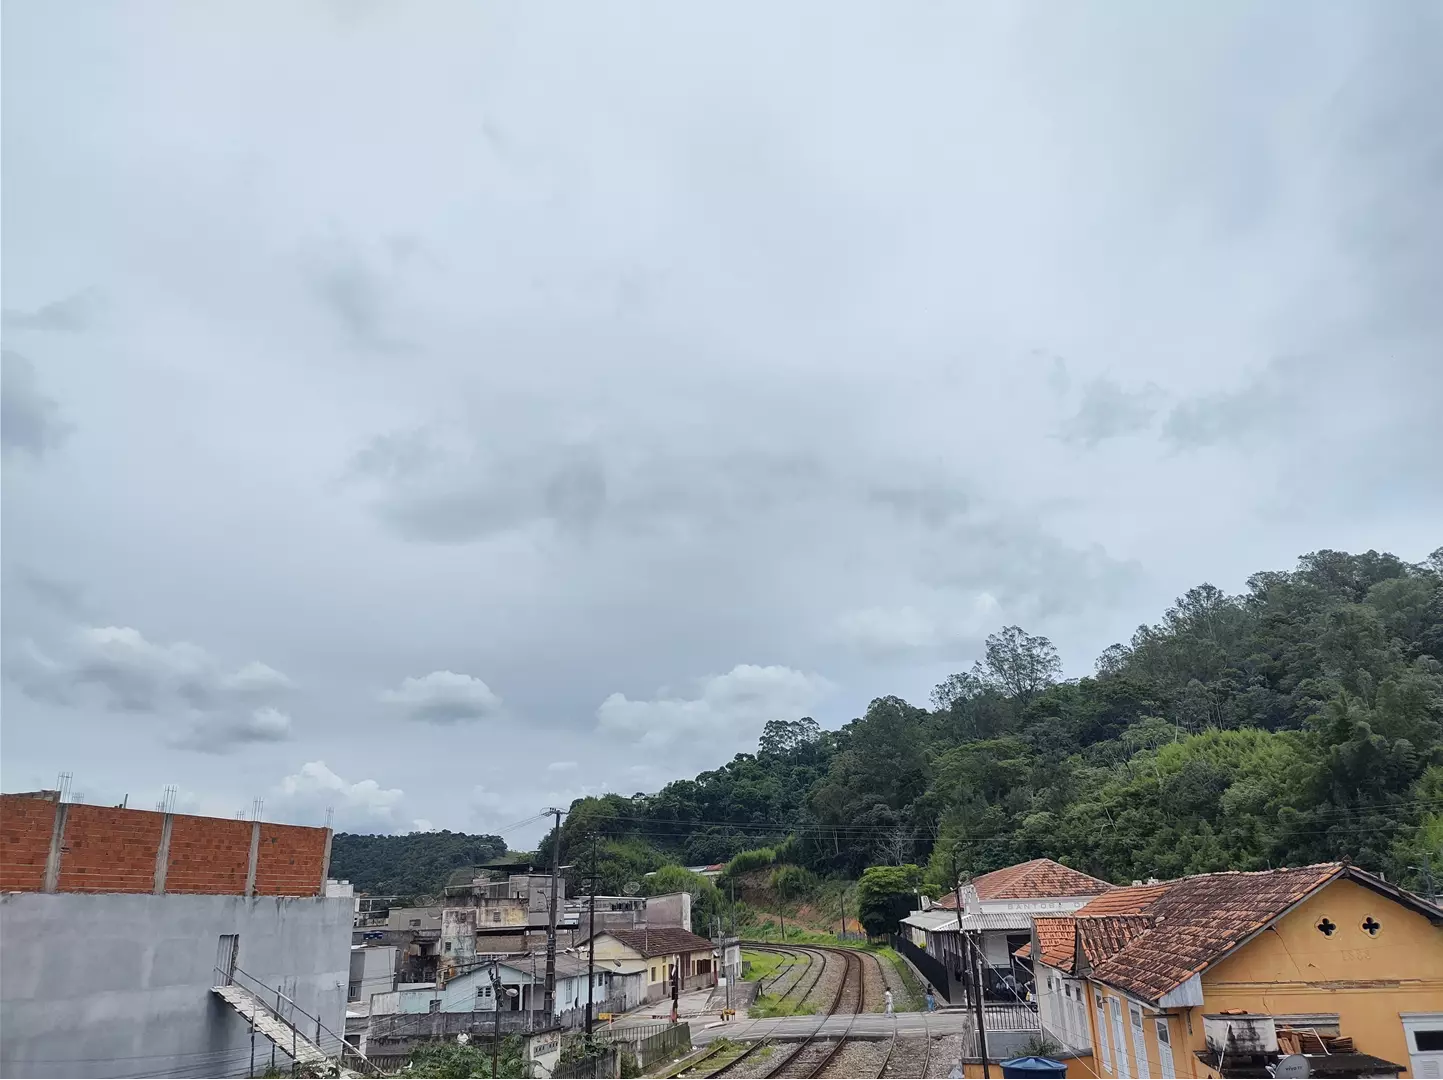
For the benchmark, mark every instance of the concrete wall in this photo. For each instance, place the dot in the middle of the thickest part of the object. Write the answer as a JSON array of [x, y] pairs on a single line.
[[373, 971], [115, 984], [669, 909]]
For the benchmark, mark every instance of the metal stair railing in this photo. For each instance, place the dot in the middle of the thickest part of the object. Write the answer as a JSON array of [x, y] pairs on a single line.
[[262, 993]]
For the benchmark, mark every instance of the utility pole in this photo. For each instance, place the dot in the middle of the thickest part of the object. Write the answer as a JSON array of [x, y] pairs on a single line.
[[591, 941], [549, 992], [843, 935], [496, 996], [981, 1009]]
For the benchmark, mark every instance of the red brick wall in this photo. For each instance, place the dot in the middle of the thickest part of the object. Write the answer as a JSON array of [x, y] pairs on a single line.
[[106, 849], [25, 829], [290, 860], [208, 855]]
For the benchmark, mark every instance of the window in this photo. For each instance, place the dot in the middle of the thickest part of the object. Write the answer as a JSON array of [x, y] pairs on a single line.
[[435, 1005], [1139, 1042], [226, 951], [1119, 1037], [1425, 1042], [1164, 1049], [415, 923], [496, 916], [447, 946], [1102, 1048]]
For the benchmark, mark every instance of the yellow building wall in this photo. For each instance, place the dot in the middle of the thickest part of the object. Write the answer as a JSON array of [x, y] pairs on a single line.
[[1294, 968], [1367, 980]]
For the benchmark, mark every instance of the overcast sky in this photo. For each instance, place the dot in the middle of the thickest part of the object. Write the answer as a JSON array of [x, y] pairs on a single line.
[[439, 410]]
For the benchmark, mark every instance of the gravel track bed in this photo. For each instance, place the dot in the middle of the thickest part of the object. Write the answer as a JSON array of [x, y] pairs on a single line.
[[822, 995], [807, 1061], [908, 1057], [805, 971], [858, 1057], [763, 1061], [893, 978], [946, 1052], [875, 981]]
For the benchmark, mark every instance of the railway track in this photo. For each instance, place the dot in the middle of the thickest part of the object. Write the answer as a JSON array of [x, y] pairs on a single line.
[[808, 1057], [815, 959]]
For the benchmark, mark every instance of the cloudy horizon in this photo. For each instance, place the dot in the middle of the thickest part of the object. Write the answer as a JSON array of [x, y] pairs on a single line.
[[437, 413]]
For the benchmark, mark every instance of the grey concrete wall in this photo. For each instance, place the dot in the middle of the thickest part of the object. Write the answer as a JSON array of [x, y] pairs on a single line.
[[119, 984]]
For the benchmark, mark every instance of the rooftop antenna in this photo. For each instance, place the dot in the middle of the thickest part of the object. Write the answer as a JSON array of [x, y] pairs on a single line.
[[258, 807], [167, 799], [78, 797], [240, 815], [62, 785], [330, 815]]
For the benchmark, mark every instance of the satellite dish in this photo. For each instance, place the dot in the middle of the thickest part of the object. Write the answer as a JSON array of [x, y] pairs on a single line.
[[1293, 1065], [631, 888]]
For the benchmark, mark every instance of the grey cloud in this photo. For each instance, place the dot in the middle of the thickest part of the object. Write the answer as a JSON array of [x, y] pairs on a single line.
[[70, 315], [444, 697], [1109, 411], [225, 734], [1265, 404], [53, 594], [128, 673], [354, 294], [30, 421]]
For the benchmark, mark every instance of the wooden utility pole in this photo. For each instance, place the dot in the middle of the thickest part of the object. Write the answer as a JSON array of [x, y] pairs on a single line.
[[549, 991], [981, 1008]]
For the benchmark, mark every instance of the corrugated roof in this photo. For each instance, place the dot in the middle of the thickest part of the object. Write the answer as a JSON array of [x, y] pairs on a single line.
[[1037, 878], [991, 920], [931, 920], [660, 941]]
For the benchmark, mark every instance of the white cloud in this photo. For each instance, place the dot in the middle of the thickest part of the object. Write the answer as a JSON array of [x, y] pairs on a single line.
[[216, 735], [728, 710], [421, 824], [561, 766], [891, 632], [307, 793], [444, 697]]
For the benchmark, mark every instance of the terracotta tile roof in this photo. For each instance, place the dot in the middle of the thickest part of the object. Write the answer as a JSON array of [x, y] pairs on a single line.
[[1040, 877], [1125, 900], [1196, 921], [1055, 935], [947, 901], [661, 941], [1101, 937]]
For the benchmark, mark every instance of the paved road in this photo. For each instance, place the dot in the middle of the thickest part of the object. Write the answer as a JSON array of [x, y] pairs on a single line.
[[875, 1025]]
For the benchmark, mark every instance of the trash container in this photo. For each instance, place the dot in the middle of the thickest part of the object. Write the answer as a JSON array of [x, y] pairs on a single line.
[[1033, 1067]]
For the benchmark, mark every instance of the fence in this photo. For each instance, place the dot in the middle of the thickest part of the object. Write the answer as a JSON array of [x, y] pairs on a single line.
[[649, 1042], [606, 1064], [932, 969]]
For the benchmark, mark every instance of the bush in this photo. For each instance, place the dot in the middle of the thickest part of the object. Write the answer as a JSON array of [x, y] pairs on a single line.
[[794, 882], [755, 859]]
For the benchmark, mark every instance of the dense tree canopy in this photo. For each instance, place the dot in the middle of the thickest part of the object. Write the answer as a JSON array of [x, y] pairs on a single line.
[[1299, 721], [419, 863]]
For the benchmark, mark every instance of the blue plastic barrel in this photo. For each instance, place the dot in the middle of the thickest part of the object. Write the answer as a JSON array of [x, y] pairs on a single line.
[[1033, 1067]]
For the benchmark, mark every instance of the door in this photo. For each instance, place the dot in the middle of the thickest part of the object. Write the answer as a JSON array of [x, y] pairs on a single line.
[[1102, 1035], [1425, 1043], [1119, 1037], [1139, 1041], [1164, 1049], [227, 950]]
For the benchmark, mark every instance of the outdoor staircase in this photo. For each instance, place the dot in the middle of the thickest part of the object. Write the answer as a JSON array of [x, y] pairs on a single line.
[[286, 1036]]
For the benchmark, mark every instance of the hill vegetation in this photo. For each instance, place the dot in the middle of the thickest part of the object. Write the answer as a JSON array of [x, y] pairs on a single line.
[[415, 864], [1299, 721]]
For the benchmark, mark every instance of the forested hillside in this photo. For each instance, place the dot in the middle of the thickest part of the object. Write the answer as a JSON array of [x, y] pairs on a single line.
[[407, 865], [1297, 722]]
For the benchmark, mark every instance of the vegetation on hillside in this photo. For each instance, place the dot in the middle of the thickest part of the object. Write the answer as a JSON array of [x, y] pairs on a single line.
[[415, 864], [1299, 721]]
